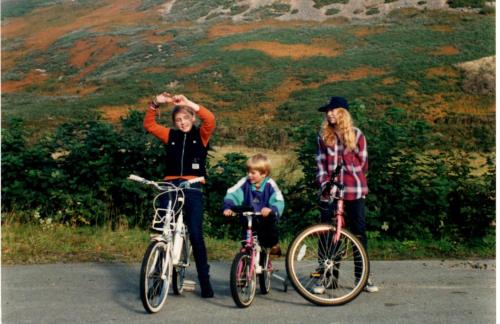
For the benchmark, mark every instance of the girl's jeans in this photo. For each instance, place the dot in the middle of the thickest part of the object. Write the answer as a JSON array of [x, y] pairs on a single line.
[[355, 221], [193, 218]]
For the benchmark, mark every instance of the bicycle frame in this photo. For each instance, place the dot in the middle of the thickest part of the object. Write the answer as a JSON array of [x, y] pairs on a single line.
[[336, 193], [252, 246], [170, 220]]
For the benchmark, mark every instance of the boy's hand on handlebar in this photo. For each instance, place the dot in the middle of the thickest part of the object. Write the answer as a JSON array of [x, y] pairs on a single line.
[[228, 213], [266, 211]]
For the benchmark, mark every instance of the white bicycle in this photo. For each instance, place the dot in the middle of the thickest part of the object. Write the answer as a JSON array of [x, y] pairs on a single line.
[[167, 256]]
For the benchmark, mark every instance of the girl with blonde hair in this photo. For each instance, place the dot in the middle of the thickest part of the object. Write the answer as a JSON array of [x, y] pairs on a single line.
[[340, 143]]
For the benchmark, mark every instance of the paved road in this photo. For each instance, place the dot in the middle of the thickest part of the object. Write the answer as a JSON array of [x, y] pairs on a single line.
[[411, 292]]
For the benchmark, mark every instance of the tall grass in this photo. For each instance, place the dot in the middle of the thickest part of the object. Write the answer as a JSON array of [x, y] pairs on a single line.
[[36, 244]]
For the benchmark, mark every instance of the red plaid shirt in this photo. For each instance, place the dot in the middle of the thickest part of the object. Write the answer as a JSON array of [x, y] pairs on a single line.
[[355, 165]]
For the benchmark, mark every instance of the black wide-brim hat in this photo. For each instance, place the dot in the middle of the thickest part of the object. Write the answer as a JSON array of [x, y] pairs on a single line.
[[335, 102]]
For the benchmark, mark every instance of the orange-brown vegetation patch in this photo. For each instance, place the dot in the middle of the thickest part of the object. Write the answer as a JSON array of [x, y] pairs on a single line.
[[43, 26], [280, 94], [227, 29], [366, 31], [114, 113], [155, 69], [33, 77], [245, 73], [446, 50], [153, 38], [390, 80], [195, 68], [356, 74], [470, 105], [441, 28], [442, 71], [295, 51], [88, 54], [231, 28], [78, 90]]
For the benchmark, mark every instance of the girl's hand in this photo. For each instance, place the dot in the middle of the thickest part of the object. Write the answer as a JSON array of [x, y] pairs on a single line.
[[228, 213], [266, 211], [181, 100], [164, 97]]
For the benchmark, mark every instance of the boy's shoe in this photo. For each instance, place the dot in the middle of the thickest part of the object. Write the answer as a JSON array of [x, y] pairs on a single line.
[[370, 286], [319, 289], [275, 250]]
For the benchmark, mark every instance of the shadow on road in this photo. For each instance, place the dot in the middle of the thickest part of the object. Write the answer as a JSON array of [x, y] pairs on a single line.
[[124, 283]]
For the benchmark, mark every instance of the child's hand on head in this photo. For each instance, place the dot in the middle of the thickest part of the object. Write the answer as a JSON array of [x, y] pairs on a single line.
[[228, 213], [266, 211], [164, 97]]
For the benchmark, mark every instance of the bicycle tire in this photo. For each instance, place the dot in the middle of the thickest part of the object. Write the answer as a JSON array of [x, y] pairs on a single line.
[[179, 272], [243, 285], [265, 276], [154, 288], [343, 266]]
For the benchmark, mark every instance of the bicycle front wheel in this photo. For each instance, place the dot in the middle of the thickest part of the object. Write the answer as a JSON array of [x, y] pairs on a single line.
[[265, 276], [180, 269], [156, 275], [326, 272], [243, 281]]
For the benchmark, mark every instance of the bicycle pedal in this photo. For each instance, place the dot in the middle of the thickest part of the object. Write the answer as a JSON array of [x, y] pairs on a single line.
[[189, 285]]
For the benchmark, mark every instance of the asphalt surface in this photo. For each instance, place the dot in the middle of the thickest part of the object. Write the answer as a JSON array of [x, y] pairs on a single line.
[[410, 292]]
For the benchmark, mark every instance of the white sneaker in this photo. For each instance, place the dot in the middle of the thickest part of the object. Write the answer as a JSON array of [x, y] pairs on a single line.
[[319, 289], [370, 286]]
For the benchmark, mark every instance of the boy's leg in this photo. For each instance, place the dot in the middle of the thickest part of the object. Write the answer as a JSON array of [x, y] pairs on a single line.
[[268, 231], [194, 221]]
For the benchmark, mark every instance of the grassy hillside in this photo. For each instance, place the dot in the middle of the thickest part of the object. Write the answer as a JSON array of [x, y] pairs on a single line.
[[63, 58]]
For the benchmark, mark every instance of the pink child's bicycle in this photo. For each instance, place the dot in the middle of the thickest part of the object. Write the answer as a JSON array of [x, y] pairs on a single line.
[[251, 261]]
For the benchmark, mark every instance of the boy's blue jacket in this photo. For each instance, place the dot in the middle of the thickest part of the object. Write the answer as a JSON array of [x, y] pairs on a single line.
[[245, 193]]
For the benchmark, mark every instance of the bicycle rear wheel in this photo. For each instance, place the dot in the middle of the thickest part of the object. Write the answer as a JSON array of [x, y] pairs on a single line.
[[243, 284], [156, 275], [326, 272], [180, 269], [265, 276]]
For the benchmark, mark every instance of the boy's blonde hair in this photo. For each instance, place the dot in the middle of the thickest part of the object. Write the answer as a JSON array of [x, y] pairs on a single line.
[[259, 162]]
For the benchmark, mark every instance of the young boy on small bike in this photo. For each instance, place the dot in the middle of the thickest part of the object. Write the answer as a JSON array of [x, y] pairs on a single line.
[[261, 192]]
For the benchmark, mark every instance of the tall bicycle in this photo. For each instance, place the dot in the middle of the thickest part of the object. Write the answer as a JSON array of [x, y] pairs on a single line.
[[167, 256], [252, 261], [328, 257]]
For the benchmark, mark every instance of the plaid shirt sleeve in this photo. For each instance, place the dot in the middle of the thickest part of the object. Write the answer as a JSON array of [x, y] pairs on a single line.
[[322, 162], [354, 171], [362, 155]]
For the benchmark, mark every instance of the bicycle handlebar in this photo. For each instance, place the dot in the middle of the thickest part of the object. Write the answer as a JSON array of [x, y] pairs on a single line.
[[184, 184]]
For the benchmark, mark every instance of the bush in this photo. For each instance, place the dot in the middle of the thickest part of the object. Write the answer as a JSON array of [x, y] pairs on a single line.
[[78, 176]]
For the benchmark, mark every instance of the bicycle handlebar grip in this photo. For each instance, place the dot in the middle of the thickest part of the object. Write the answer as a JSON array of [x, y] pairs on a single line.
[[196, 180], [136, 178]]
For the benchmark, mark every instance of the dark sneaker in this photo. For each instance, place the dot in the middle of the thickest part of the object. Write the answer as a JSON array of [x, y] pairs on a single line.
[[206, 290]]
